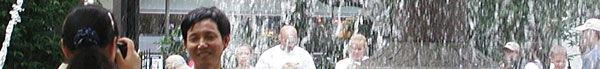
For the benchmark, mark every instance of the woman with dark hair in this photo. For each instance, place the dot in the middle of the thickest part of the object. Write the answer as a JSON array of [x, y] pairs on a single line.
[[89, 37]]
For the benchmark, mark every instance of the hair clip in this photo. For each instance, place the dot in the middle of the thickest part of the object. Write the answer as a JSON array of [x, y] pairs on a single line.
[[85, 36]]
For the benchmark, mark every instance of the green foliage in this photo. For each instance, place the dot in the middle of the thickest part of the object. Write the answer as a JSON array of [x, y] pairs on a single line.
[[172, 45], [35, 40]]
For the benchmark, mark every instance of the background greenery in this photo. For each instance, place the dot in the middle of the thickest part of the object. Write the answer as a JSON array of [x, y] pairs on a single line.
[[35, 40]]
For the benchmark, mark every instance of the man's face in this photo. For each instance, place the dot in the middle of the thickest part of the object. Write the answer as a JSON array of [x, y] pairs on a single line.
[[288, 39], [357, 50], [589, 40], [243, 55], [205, 44], [510, 57], [558, 61]]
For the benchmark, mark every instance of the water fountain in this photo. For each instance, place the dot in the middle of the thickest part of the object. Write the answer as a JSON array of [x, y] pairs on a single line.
[[406, 33]]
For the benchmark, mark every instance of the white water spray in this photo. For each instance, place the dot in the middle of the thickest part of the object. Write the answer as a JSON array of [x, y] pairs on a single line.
[[15, 18]]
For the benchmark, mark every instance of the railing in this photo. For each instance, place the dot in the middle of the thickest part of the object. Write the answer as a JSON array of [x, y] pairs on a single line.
[[151, 60]]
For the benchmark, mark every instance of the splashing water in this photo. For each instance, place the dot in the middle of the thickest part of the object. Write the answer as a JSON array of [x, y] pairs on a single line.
[[406, 33], [15, 18]]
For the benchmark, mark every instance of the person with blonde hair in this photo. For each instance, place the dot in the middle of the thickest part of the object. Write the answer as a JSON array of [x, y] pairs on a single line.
[[558, 56], [243, 55], [356, 48]]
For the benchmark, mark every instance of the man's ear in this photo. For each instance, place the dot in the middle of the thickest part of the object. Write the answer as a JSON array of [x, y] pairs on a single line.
[[226, 41], [65, 50]]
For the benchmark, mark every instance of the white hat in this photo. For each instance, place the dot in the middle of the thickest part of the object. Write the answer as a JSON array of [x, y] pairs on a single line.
[[592, 24], [512, 46], [531, 65]]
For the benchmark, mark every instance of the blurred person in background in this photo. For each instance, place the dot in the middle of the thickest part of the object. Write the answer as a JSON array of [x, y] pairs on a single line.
[[511, 55], [558, 57], [286, 55], [356, 48], [589, 46], [243, 56], [533, 62]]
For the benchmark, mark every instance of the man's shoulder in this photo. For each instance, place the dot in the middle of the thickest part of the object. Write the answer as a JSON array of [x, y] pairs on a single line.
[[593, 53], [301, 50], [595, 49], [271, 50], [591, 56], [274, 48]]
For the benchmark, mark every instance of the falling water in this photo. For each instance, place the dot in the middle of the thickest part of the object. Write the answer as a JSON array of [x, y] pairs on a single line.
[[408, 33]]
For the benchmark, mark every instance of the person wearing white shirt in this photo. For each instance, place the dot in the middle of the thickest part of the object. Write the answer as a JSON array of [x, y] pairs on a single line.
[[356, 48], [286, 55]]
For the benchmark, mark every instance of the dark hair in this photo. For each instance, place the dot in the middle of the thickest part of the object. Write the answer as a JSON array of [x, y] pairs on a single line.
[[87, 30], [201, 13]]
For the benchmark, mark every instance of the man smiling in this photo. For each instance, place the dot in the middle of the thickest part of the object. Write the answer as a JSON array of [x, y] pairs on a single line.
[[206, 35]]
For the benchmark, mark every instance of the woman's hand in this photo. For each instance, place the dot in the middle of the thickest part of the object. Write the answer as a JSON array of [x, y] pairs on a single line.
[[132, 59]]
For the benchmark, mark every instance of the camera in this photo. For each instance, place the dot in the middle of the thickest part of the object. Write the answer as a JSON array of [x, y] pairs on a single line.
[[123, 48]]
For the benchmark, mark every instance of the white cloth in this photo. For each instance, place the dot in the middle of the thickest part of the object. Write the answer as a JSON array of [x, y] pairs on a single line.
[[531, 65], [63, 66], [347, 63], [592, 24], [276, 58]]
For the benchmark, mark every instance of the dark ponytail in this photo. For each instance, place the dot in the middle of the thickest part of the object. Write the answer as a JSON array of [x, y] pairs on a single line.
[[87, 32], [88, 49], [89, 58]]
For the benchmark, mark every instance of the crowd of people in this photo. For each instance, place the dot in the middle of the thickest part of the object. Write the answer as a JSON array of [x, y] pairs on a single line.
[[588, 48], [89, 39]]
